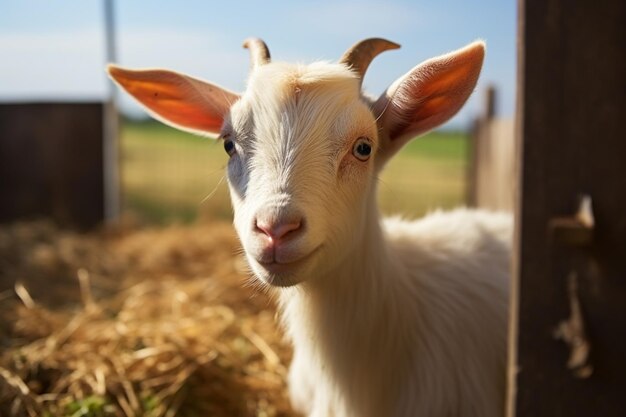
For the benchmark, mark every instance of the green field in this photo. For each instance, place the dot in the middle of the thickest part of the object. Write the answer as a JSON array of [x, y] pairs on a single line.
[[173, 176]]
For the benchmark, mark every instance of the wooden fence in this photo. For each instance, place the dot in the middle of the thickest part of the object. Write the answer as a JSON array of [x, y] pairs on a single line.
[[52, 163], [491, 173], [568, 318]]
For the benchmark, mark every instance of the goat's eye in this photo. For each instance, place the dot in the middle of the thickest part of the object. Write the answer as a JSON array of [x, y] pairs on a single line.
[[362, 149], [229, 146]]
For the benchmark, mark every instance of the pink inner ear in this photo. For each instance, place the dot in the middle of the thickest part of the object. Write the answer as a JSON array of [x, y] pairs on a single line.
[[176, 99], [431, 93], [426, 115]]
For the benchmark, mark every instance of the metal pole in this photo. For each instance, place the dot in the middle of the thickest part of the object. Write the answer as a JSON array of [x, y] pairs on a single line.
[[112, 193]]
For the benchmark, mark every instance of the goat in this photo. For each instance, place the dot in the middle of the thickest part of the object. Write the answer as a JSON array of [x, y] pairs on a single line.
[[387, 317]]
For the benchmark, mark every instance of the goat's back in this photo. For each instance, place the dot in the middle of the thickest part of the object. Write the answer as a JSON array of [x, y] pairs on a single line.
[[456, 285]]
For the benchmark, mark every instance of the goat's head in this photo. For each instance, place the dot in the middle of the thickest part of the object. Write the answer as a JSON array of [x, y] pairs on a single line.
[[305, 144]]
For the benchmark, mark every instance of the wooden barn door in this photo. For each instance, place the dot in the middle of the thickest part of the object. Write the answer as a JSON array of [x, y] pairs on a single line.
[[52, 163], [569, 304]]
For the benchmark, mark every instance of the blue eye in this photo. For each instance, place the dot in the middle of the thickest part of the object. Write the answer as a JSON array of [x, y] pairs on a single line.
[[362, 149], [229, 146]]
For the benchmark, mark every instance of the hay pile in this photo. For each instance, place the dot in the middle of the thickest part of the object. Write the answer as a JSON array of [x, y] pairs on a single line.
[[135, 323]]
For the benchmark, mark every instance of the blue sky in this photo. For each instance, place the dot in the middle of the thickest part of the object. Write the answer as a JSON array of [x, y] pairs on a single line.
[[54, 50]]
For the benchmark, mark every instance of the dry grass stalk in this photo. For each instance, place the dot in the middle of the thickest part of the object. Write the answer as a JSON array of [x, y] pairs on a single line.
[[154, 324]]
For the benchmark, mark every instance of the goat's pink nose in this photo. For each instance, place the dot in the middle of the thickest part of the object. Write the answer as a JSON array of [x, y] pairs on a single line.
[[278, 230]]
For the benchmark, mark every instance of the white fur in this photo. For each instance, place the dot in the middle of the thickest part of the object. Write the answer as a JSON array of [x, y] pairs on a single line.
[[387, 319], [413, 325]]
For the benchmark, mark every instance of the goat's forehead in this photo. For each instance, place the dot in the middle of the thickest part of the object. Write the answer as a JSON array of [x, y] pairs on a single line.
[[301, 100], [281, 85], [318, 74]]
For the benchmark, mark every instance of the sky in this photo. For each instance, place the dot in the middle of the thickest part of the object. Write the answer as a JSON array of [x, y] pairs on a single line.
[[55, 50]]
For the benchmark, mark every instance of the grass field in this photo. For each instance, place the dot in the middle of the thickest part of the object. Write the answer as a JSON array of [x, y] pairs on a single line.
[[173, 176]]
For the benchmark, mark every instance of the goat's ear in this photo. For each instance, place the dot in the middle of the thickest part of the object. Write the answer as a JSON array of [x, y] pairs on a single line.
[[176, 99], [427, 96]]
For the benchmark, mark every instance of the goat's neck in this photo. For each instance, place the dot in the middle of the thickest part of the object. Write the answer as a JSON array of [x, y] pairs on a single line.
[[342, 321], [362, 266], [355, 290]]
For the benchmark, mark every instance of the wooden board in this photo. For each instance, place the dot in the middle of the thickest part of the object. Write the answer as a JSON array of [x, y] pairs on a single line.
[[51, 162], [492, 171], [572, 109]]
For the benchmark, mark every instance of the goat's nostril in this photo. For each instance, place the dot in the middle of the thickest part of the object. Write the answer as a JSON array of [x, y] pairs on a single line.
[[282, 229], [278, 230]]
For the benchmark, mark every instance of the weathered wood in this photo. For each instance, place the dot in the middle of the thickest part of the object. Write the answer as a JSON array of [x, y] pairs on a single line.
[[572, 105], [51, 162], [491, 101], [495, 165], [491, 168]]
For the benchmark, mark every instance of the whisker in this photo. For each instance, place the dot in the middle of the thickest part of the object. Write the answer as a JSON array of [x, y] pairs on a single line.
[[382, 113], [212, 193]]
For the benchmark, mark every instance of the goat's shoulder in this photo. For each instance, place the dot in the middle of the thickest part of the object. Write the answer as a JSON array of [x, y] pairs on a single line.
[[455, 284], [461, 244], [461, 231]]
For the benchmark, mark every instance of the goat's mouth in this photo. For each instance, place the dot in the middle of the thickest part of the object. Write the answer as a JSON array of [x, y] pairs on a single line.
[[284, 274]]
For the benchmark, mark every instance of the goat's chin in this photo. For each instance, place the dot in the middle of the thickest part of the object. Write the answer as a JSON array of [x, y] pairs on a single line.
[[285, 274], [281, 280]]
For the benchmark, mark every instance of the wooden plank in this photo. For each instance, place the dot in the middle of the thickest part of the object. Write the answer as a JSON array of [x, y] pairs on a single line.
[[51, 162], [491, 167], [572, 107], [495, 170]]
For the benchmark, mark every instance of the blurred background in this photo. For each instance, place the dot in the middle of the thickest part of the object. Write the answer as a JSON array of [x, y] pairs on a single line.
[[123, 290], [55, 52]]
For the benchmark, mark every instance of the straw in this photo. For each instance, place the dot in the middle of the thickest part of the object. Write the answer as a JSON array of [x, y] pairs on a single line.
[[127, 323]]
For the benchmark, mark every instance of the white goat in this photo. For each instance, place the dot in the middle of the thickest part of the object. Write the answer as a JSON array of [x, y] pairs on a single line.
[[389, 318]]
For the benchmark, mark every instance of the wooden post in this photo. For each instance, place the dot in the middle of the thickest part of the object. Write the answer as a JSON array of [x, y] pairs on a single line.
[[478, 141], [491, 159], [111, 160], [572, 103], [51, 163], [490, 102], [471, 170]]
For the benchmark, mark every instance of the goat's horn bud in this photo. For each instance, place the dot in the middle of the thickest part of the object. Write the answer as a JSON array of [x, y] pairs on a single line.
[[259, 53], [361, 54]]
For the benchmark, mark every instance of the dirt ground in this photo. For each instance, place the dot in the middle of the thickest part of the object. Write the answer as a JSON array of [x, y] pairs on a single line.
[[135, 322]]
